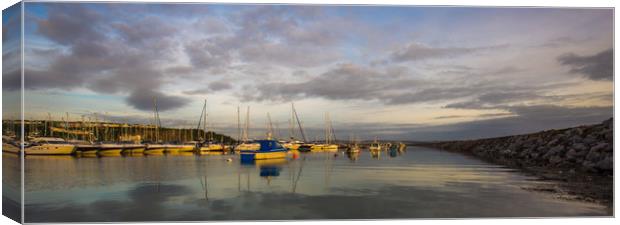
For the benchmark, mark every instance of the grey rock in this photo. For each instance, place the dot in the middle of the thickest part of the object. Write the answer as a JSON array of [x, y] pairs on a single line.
[[580, 147], [578, 131], [589, 140], [606, 164], [593, 156], [553, 142], [609, 123], [600, 147], [571, 154], [554, 160], [588, 166]]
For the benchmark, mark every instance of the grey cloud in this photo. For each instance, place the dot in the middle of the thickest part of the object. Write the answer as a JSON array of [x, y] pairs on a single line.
[[68, 23], [501, 99], [211, 25], [211, 52], [143, 100], [416, 51], [491, 100], [219, 85], [450, 117], [595, 67], [124, 63], [11, 80], [527, 119], [11, 53], [288, 36], [144, 30], [284, 54], [11, 27], [344, 82], [210, 88], [562, 41], [395, 86], [135, 49], [484, 115]]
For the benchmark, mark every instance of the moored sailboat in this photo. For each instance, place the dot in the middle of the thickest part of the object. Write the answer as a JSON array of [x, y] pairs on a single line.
[[10, 145], [330, 137], [49, 146], [109, 149]]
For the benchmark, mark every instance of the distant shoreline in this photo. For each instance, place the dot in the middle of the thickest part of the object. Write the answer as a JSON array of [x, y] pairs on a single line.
[[579, 158]]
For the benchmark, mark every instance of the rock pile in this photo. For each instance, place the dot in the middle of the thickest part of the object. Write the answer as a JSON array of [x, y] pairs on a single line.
[[587, 149]]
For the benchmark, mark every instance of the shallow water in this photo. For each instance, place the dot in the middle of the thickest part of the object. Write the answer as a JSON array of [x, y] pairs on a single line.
[[419, 183]]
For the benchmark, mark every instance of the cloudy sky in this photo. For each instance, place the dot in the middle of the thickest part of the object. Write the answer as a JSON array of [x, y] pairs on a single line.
[[417, 73]]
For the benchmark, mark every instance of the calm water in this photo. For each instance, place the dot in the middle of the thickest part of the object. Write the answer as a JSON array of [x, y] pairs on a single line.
[[420, 183]]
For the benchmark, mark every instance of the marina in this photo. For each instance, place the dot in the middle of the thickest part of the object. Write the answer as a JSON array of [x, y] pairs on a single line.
[[418, 183], [152, 112]]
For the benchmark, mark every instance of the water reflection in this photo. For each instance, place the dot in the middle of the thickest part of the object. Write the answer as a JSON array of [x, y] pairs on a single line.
[[375, 154], [421, 183], [393, 152], [353, 156]]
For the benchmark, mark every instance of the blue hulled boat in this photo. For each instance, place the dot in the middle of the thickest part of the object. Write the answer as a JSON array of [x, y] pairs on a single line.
[[269, 149]]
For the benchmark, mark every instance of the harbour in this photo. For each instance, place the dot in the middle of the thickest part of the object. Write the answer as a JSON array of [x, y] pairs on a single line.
[[207, 112], [419, 183]]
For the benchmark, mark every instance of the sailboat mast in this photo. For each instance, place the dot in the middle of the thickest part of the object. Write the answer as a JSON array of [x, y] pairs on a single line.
[[247, 124], [301, 130], [331, 129], [238, 124], [270, 130], [156, 120], [204, 124], [291, 126]]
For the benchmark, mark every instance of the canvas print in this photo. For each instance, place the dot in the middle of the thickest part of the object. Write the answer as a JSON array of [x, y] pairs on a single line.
[[126, 112]]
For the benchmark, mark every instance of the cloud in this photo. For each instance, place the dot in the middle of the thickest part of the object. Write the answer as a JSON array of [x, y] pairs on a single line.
[[121, 57], [66, 28], [417, 51], [595, 67], [11, 53], [499, 99], [11, 24], [211, 88], [563, 41], [393, 85], [209, 53], [143, 30], [343, 82], [143, 100], [484, 115], [526, 119]]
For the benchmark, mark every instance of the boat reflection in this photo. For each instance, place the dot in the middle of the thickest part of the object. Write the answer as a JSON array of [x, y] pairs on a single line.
[[376, 154], [50, 157], [212, 153], [393, 152], [153, 153], [353, 156], [270, 171], [268, 168], [180, 153]]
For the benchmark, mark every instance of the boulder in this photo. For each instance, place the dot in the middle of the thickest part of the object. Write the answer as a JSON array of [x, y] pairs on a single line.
[[606, 164], [589, 140], [600, 147], [555, 160], [579, 147], [572, 154]]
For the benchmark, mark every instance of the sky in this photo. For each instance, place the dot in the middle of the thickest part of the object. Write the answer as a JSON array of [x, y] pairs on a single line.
[[391, 72]]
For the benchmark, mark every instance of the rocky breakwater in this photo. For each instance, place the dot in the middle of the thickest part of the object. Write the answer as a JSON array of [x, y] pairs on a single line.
[[580, 157]]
